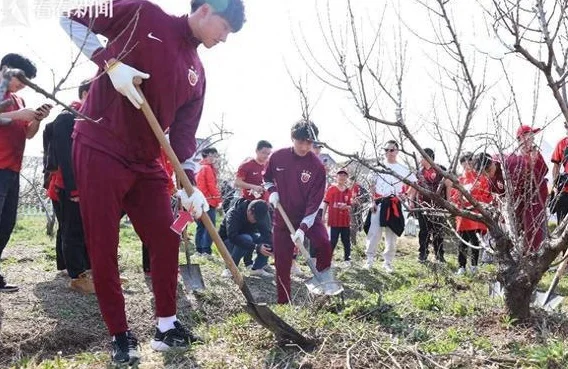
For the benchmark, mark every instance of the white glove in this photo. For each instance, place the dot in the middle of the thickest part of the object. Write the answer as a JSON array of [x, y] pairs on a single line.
[[122, 76], [298, 237], [196, 204], [274, 199]]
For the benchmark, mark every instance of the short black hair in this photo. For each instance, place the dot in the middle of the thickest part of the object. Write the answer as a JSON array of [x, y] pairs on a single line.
[[482, 161], [392, 142], [209, 151], [430, 153], [84, 87], [17, 61], [233, 11], [263, 144], [466, 156], [259, 209], [305, 130]]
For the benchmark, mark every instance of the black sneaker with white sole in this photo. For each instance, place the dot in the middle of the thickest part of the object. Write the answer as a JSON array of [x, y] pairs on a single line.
[[5, 287], [125, 349], [177, 337]]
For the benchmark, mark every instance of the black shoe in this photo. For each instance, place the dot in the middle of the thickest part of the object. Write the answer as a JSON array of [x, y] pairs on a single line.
[[125, 349], [177, 337], [422, 259], [5, 287]]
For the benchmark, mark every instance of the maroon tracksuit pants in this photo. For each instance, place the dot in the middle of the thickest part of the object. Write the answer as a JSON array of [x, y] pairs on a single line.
[[106, 188], [284, 252]]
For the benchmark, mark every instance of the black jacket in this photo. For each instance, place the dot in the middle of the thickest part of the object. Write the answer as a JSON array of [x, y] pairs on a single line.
[[62, 143], [236, 223]]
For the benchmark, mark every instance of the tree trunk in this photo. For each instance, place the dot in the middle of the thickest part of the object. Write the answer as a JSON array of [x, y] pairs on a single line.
[[518, 296]]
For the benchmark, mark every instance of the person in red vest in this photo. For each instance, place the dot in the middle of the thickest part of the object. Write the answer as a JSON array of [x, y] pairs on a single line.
[[207, 183], [337, 202], [23, 126], [470, 231]]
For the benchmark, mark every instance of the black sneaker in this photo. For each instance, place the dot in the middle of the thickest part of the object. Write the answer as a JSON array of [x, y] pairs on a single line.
[[177, 337], [5, 287], [125, 349]]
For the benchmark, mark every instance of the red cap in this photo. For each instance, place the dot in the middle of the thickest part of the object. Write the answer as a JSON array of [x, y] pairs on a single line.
[[523, 130]]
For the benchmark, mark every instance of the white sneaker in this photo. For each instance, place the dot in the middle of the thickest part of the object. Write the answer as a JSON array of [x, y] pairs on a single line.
[[261, 273], [473, 269], [461, 271], [388, 268], [248, 267], [346, 264], [226, 273], [295, 270]]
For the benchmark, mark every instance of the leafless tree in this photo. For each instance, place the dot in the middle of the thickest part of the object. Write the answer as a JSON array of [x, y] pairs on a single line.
[[372, 70]]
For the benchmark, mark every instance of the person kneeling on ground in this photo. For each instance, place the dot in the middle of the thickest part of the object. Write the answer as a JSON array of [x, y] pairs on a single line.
[[246, 228]]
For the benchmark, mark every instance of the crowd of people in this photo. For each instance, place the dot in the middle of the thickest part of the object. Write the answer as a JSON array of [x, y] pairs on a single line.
[[97, 173]]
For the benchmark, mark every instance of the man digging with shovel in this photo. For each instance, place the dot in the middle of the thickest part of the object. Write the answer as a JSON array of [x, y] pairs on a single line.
[[295, 178], [116, 160]]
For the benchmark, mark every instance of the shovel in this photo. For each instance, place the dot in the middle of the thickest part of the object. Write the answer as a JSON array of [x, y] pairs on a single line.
[[549, 300], [190, 273], [260, 312], [323, 283]]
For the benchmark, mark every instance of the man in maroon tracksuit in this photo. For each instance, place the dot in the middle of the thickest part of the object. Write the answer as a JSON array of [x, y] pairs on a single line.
[[295, 177], [117, 160]]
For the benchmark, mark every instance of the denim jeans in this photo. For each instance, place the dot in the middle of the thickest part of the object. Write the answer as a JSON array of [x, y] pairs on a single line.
[[239, 252], [203, 241], [9, 195]]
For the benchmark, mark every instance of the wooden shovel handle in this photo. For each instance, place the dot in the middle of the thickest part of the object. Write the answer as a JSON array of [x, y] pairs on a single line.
[[299, 245], [188, 188]]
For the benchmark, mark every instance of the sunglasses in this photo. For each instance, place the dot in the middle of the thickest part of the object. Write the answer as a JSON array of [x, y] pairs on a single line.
[[391, 150]]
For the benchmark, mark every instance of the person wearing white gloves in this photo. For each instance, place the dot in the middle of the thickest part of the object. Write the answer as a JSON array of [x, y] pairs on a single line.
[[116, 160], [296, 179]]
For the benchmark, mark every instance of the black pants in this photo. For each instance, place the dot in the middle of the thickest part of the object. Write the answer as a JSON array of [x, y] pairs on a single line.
[[72, 237], [472, 238], [431, 229], [59, 258], [9, 196], [345, 233], [562, 206]]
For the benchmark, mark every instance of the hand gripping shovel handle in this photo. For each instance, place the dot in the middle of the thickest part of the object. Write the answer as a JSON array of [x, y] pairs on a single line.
[[301, 247], [187, 186]]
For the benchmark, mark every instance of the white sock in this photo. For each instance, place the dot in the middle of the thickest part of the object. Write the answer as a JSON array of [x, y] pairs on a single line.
[[166, 323]]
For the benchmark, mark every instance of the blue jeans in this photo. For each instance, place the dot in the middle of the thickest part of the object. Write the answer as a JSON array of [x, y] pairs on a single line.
[[203, 241], [9, 195], [238, 252]]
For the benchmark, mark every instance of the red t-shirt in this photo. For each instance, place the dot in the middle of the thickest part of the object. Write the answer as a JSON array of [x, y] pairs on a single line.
[[13, 138], [559, 157], [252, 172], [335, 199]]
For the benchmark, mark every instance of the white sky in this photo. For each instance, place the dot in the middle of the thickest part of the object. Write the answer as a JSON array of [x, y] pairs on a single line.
[[248, 84]]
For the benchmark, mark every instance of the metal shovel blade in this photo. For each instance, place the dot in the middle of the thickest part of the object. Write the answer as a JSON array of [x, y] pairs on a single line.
[[496, 290], [324, 283], [547, 301], [191, 277], [281, 330]]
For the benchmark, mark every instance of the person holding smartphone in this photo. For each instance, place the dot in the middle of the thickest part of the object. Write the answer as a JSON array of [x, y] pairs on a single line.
[[23, 126]]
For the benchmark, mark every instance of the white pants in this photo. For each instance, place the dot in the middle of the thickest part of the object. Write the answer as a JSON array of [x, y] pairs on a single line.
[[374, 238]]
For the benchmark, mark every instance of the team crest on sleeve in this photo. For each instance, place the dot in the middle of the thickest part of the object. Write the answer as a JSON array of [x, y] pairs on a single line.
[[192, 77], [305, 176]]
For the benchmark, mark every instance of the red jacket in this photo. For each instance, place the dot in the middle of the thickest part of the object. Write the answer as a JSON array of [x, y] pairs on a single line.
[[207, 183], [478, 187]]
